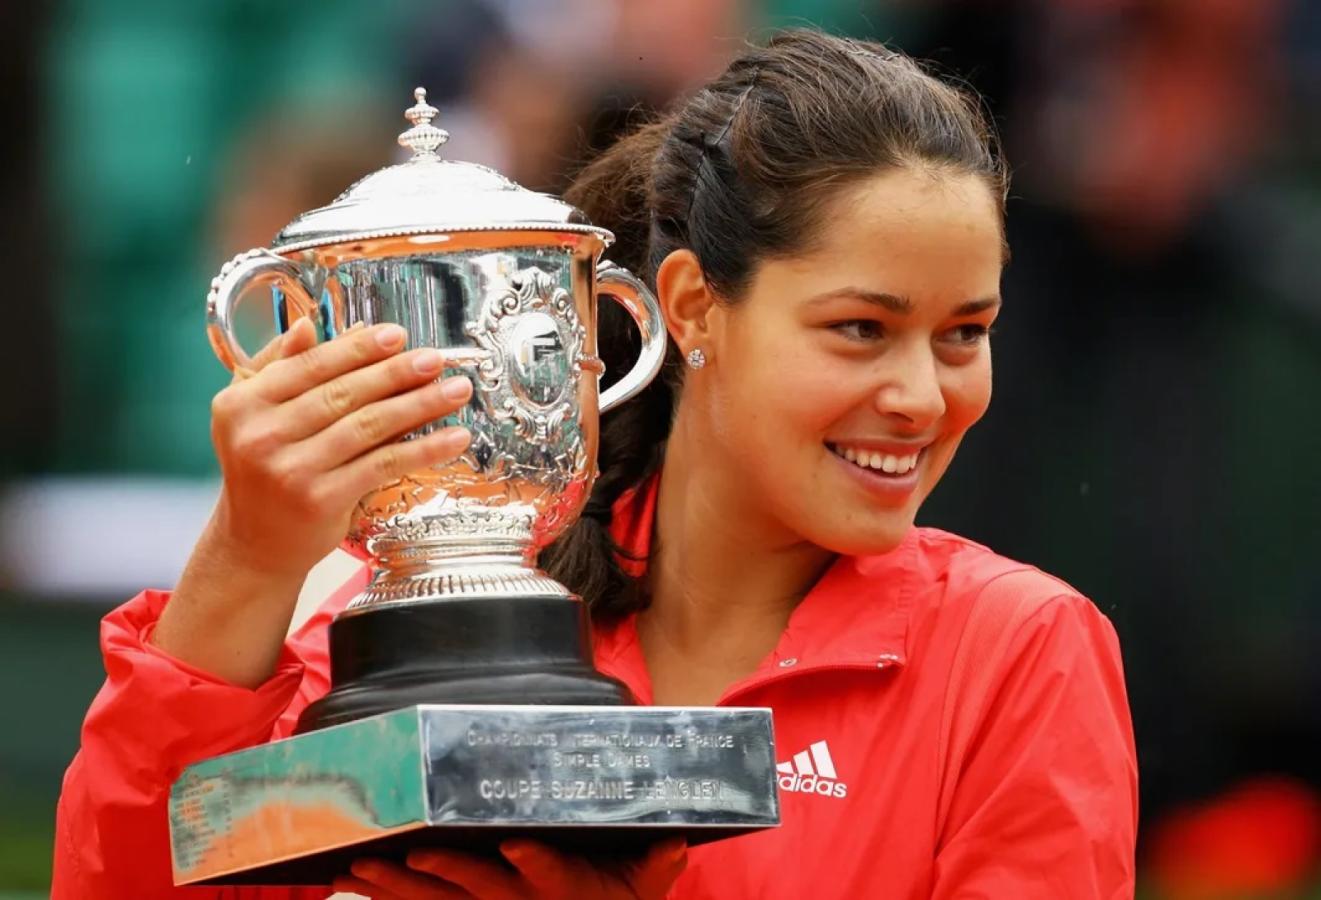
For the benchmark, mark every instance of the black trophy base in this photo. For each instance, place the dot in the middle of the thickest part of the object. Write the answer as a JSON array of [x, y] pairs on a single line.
[[484, 650]]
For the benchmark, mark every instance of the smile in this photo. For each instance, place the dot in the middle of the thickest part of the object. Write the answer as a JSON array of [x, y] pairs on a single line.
[[876, 461]]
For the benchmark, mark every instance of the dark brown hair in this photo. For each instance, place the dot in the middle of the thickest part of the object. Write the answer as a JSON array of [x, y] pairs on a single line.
[[743, 171]]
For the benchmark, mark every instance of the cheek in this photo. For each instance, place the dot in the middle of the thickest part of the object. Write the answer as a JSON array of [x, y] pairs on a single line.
[[967, 393], [786, 409], [771, 390]]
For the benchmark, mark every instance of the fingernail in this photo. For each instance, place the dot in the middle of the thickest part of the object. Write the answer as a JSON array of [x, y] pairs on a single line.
[[511, 849], [428, 362], [390, 336], [455, 439], [425, 859], [456, 388]]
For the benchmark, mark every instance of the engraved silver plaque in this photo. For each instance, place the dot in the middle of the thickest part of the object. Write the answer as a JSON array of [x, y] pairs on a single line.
[[588, 779]]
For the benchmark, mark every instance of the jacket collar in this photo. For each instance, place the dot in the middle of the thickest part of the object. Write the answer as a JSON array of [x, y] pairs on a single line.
[[856, 616]]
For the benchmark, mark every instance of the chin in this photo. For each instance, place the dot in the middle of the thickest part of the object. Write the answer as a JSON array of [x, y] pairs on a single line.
[[878, 534]]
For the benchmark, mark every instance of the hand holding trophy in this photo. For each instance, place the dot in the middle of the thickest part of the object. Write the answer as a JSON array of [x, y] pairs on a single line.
[[302, 438], [464, 709]]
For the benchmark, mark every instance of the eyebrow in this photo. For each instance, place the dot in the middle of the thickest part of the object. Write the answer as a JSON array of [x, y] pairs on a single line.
[[896, 304], [975, 306]]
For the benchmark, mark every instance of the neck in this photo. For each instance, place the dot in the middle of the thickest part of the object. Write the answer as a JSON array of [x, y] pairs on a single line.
[[724, 578]]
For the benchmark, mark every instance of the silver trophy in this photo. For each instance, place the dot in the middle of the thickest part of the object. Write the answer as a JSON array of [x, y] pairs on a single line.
[[464, 705]]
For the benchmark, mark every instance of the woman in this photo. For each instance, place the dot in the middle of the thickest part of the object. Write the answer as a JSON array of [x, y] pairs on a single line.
[[823, 227]]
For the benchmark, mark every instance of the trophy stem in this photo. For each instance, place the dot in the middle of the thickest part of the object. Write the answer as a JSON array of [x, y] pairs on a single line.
[[461, 650], [438, 571]]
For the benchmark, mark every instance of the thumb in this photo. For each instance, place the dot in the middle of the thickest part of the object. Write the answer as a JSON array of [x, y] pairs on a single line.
[[652, 878], [540, 866], [300, 336]]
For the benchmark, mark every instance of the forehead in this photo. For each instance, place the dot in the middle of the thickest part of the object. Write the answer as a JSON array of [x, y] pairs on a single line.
[[919, 233]]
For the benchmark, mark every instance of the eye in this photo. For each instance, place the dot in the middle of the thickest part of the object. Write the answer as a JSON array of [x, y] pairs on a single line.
[[969, 333], [859, 329]]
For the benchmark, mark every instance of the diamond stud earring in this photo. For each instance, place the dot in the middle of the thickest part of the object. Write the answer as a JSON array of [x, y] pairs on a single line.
[[696, 358]]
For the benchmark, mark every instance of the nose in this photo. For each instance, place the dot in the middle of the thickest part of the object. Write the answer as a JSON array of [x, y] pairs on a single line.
[[910, 393]]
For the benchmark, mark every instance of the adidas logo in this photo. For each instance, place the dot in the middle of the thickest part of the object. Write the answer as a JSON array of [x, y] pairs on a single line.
[[811, 772]]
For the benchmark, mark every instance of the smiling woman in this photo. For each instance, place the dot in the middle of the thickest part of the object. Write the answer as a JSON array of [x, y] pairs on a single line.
[[823, 224], [823, 215], [823, 227]]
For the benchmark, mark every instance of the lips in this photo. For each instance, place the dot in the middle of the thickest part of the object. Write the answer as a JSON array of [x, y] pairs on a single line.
[[891, 487]]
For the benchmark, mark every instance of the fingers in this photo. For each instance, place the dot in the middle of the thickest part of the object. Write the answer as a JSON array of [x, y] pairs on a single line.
[[541, 866], [348, 884], [285, 379], [373, 425], [560, 875], [352, 392], [393, 461], [300, 336], [382, 880], [479, 877], [656, 873]]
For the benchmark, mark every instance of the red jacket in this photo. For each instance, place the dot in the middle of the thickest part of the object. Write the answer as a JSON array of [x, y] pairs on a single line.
[[948, 723]]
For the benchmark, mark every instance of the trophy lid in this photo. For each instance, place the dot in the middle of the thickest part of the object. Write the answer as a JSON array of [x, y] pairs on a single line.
[[430, 195]]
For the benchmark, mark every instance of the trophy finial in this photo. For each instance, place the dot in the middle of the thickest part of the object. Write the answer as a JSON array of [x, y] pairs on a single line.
[[423, 138]]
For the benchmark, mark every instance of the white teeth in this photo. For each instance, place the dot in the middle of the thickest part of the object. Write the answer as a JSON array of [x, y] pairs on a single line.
[[883, 462]]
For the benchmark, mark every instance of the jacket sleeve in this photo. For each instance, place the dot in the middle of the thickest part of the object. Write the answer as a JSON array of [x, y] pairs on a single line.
[[153, 716], [1041, 798]]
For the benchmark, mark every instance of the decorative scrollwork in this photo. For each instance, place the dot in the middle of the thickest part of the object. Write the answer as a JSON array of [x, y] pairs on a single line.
[[534, 427], [461, 521], [534, 339]]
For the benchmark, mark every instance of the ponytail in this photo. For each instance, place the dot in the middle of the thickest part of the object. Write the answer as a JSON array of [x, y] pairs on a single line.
[[615, 192]]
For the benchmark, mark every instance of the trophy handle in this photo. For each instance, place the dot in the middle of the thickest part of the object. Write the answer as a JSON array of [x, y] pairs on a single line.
[[629, 292], [252, 267]]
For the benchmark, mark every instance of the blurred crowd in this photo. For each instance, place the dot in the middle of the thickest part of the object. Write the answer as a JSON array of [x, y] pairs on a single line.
[[1155, 437]]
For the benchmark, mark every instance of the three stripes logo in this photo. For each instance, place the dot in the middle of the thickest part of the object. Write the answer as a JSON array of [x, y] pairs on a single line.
[[811, 772]]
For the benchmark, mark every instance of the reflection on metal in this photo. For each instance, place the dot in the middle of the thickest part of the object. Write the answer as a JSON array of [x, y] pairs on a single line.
[[298, 811]]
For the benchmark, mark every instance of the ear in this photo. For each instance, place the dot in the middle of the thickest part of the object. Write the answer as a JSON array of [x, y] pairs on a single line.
[[685, 300]]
